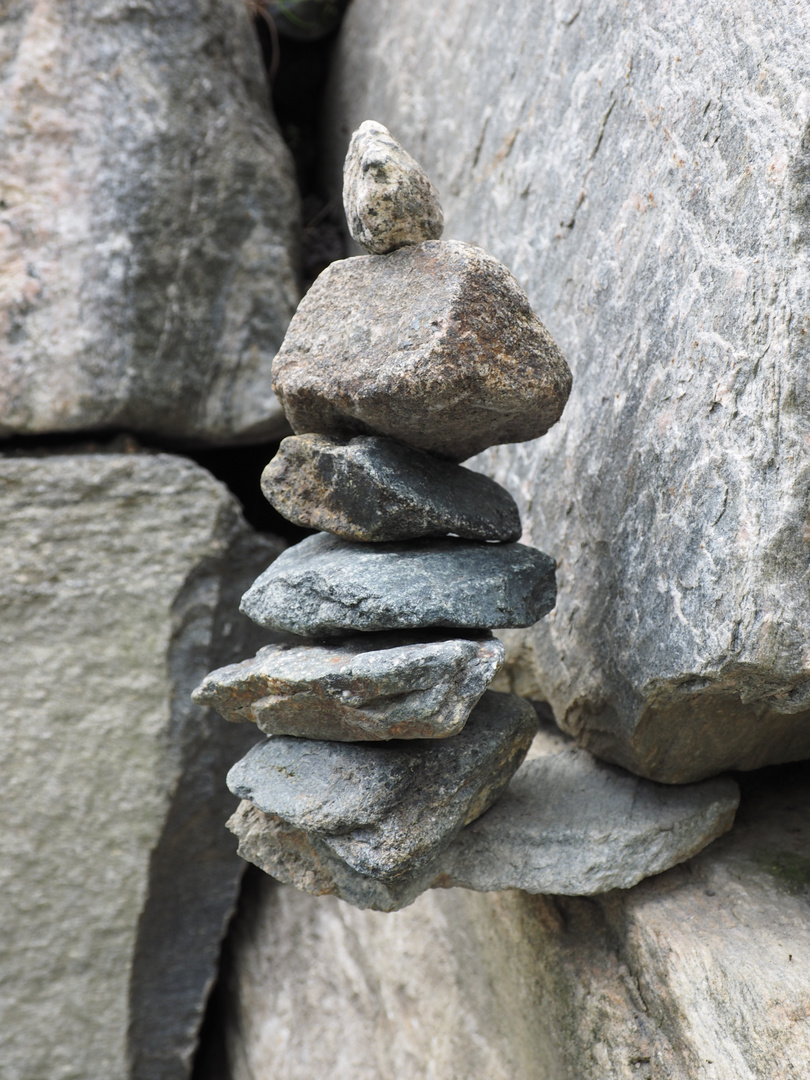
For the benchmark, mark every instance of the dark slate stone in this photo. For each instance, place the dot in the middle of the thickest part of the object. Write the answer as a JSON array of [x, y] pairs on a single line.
[[377, 489], [325, 586], [386, 810], [371, 687]]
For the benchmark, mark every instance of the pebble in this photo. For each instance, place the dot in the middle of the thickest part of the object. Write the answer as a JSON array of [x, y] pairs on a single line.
[[388, 198], [566, 825]]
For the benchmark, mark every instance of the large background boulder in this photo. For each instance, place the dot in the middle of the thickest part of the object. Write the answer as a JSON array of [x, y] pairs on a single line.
[[645, 173], [119, 583], [148, 221]]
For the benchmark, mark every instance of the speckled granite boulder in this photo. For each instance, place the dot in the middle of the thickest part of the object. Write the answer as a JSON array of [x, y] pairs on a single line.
[[388, 810], [388, 198], [326, 586], [435, 345], [377, 489], [373, 687]]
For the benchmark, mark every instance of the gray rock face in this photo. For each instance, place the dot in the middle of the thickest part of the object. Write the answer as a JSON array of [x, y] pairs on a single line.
[[388, 810], [326, 586], [566, 825], [366, 688], [653, 198], [120, 575], [434, 345], [388, 198], [700, 964], [377, 489], [569, 824], [148, 222]]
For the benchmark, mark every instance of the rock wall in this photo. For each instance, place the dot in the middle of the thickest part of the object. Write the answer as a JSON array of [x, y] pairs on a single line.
[[148, 221], [644, 173], [120, 581], [699, 972]]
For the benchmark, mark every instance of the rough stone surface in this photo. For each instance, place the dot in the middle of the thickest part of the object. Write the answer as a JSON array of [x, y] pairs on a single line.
[[325, 586], [388, 810], [377, 489], [147, 221], [699, 972], [388, 198], [120, 577], [367, 688], [645, 173], [566, 825], [569, 824], [435, 345]]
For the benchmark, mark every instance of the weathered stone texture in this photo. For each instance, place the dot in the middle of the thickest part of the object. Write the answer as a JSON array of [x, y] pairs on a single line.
[[325, 586], [147, 221], [700, 972], [388, 199], [434, 345], [567, 824], [371, 687], [374, 489], [388, 810], [120, 577], [645, 174]]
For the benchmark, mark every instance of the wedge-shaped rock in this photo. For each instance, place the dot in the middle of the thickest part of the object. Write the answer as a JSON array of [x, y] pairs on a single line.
[[326, 586], [567, 824], [377, 489], [366, 688], [388, 198], [387, 810], [573, 825], [435, 345]]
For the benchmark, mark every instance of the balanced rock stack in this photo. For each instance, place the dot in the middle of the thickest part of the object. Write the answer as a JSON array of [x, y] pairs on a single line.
[[383, 740]]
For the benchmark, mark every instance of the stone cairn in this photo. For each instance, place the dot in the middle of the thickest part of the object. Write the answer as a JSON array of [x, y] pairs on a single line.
[[384, 742]]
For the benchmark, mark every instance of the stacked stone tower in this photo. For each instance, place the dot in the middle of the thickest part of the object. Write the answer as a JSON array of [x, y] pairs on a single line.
[[383, 740]]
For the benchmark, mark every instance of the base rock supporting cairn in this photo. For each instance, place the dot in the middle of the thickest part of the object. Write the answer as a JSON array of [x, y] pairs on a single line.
[[385, 745]]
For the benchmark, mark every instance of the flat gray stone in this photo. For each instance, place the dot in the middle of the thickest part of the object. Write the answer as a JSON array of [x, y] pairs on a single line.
[[667, 248], [572, 825], [150, 222], [435, 345], [388, 810], [119, 579], [566, 825], [377, 489], [367, 688], [326, 586], [388, 198]]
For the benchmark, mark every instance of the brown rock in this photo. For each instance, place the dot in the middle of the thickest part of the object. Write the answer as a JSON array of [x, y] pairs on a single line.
[[435, 345], [378, 489]]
